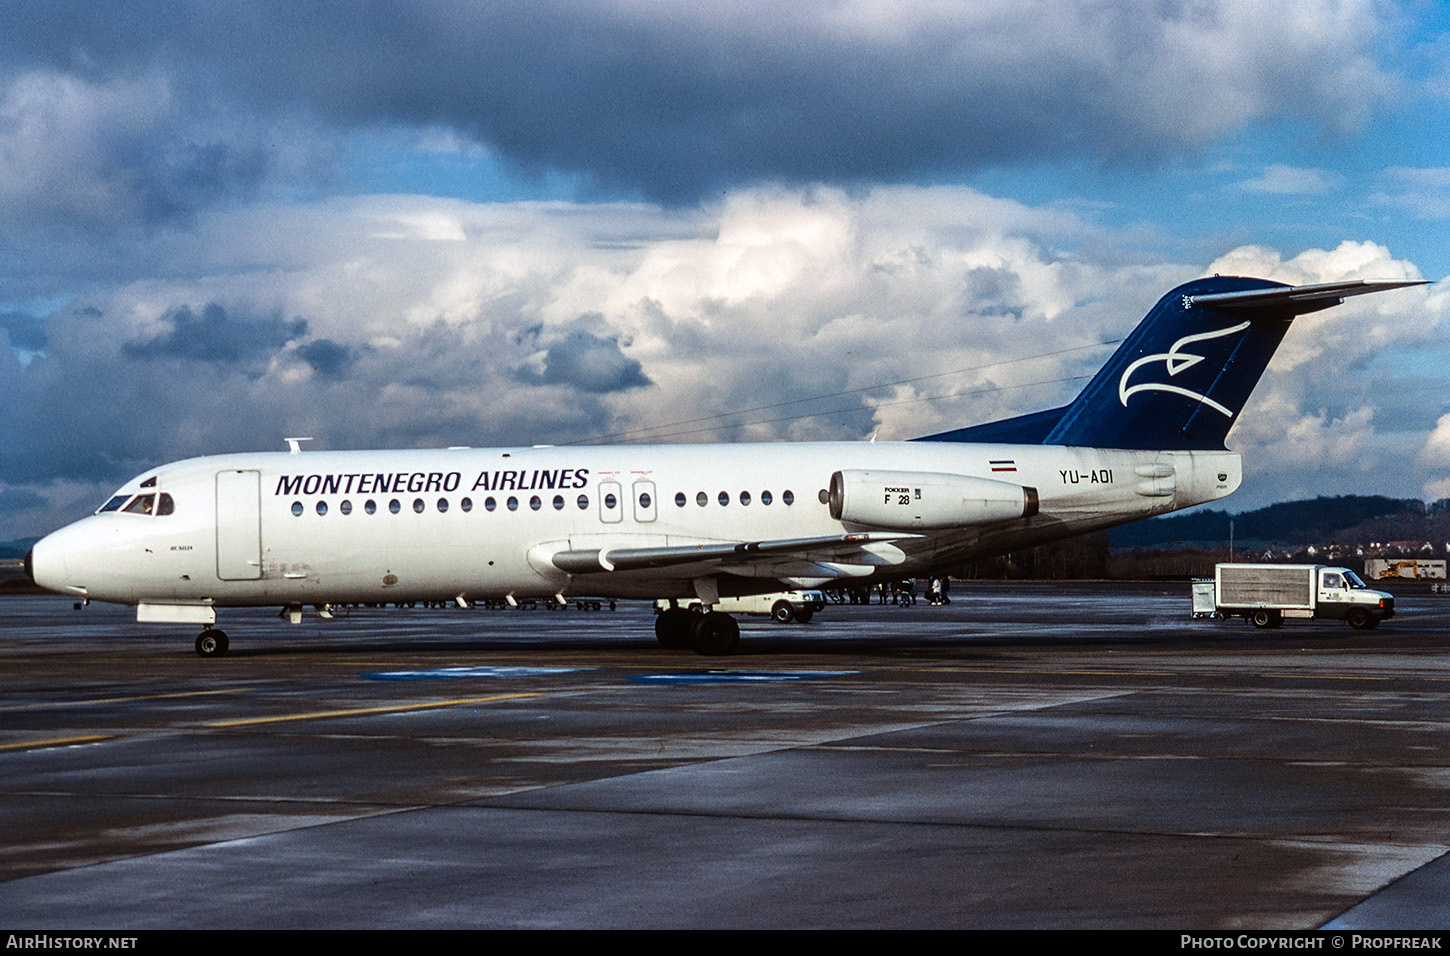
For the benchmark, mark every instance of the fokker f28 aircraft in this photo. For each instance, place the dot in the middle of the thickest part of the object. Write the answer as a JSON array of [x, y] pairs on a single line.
[[1145, 437]]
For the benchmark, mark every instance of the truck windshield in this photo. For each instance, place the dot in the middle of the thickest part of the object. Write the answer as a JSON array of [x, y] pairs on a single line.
[[1353, 579]]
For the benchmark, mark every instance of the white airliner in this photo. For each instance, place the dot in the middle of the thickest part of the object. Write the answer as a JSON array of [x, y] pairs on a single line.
[[1145, 437]]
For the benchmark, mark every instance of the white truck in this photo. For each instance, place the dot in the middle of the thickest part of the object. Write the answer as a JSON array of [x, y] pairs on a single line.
[[782, 606], [1267, 594]]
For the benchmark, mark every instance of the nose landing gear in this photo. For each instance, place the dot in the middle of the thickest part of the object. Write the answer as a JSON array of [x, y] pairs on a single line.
[[212, 642]]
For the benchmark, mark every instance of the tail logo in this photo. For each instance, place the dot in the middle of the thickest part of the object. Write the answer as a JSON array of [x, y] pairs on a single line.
[[1176, 361]]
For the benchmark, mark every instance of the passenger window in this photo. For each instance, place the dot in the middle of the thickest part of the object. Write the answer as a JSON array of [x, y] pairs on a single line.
[[702, 499], [644, 500], [558, 502], [371, 507], [724, 498], [442, 505], [745, 497], [535, 503], [583, 502], [680, 499], [466, 504], [297, 508], [418, 505], [395, 506], [787, 497], [489, 504], [765, 498], [513, 503], [345, 507], [610, 502], [322, 508]]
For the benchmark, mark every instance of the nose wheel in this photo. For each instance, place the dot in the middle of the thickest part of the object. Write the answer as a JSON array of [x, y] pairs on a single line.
[[212, 643]]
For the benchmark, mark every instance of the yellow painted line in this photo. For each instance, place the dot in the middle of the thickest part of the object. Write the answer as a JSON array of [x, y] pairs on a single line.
[[364, 711], [121, 700], [1334, 677], [1046, 673], [56, 742]]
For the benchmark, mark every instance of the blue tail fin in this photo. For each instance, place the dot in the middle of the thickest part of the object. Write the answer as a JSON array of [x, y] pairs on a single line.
[[1181, 378]]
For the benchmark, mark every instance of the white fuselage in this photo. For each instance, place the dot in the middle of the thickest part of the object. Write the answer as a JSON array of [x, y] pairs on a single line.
[[372, 526]]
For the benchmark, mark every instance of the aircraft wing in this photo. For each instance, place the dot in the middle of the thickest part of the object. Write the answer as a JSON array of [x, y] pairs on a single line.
[[1299, 299], [831, 555]]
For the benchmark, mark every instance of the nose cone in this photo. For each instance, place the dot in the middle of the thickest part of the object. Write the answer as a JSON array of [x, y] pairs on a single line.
[[45, 565]]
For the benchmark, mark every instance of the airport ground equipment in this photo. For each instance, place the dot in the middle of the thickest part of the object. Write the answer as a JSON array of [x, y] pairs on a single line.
[[782, 606], [1268, 594]]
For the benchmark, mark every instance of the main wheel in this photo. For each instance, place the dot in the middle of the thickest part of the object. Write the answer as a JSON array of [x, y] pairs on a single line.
[[1266, 619], [1359, 618], [212, 643], [715, 634], [781, 612], [672, 627]]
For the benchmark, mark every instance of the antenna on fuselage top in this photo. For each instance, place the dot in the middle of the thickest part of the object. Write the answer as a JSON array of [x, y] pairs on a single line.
[[294, 445]]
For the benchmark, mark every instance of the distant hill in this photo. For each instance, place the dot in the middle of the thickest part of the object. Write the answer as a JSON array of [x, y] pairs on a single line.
[[1346, 519], [16, 549]]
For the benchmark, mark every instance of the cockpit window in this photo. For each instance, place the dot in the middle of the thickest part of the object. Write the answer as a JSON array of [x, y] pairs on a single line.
[[114, 503], [164, 504], [149, 482], [141, 505]]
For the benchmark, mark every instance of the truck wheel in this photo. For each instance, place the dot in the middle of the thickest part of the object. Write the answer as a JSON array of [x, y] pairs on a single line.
[[1266, 619], [1359, 618], [803, 615]]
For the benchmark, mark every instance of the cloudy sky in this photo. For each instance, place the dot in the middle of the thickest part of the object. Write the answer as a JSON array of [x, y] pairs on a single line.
[[441, 222]]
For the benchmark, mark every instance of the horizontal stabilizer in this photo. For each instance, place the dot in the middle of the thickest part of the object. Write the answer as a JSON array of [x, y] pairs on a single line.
[[1297, 300]]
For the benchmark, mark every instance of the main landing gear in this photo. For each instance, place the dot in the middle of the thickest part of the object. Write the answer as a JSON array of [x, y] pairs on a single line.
[[712, 633], [212, 642]]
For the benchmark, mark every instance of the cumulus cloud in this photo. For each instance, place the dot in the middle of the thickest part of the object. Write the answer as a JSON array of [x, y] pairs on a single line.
[[678, 100], [1278, 179], [805, 314], [116, 151], [217, 337]]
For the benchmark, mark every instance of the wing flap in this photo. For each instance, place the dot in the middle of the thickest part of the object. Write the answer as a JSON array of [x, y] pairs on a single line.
[[861, 548]]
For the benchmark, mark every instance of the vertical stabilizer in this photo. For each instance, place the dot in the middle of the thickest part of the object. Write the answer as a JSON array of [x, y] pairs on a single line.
[[1182, 377]]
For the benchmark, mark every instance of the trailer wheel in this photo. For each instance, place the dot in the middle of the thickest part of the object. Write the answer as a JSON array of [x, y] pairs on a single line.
[[1266, 619]]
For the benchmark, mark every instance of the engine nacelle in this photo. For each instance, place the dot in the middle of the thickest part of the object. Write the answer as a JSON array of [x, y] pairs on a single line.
[[912, 500]]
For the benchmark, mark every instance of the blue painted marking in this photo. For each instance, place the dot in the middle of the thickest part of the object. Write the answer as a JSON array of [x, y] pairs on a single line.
[[441, 673], [734, 677]]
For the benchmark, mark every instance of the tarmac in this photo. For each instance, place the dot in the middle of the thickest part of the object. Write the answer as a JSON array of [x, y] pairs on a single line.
[[1033, 755]]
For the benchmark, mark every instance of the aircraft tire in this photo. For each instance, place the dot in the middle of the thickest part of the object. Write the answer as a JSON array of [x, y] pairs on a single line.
[[211, 643], [673, 627], [716, 634], [781, 612], [1266, 619], [804, 614]]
